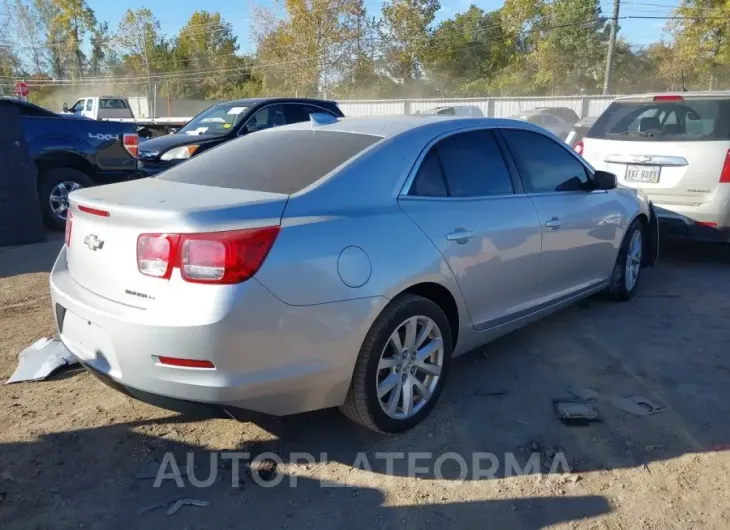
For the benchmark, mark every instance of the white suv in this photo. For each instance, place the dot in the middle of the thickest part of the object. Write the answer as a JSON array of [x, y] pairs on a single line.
[[674, 147]]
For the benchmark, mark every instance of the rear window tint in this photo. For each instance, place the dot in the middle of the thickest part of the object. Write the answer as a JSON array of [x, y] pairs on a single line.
[[664, 121], [281, 162]]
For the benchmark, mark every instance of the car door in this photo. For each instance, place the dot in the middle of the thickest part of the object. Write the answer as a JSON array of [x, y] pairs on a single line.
[[264, 118], [468, 202], [89, 109], [581, 226]]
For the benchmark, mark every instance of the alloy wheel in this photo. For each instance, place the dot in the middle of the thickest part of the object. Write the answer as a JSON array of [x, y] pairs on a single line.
[[410, 367]]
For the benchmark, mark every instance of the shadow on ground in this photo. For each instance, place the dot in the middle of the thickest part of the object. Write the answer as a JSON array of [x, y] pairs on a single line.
[[107, 494], [25, 259]]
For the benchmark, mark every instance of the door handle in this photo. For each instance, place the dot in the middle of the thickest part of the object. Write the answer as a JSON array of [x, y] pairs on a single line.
[[461, 236], [554, 223]]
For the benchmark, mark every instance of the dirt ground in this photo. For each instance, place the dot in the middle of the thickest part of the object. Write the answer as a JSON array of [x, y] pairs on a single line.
[[72, 450]]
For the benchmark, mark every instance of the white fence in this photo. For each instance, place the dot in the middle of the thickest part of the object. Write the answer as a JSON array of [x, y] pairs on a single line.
[[584, 106]]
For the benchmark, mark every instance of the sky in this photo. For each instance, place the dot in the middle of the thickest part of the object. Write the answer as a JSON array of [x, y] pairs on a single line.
[[174, 13]]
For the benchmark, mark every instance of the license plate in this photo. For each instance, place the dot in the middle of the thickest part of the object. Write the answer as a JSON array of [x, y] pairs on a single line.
[[643, 174]]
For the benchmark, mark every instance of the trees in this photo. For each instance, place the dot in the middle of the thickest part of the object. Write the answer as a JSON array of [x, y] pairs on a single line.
[[406, 33], [702, 39], [466, 53], [338, 49], [305, 52]]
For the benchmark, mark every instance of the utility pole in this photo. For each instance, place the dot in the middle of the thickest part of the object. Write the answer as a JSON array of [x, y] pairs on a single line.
[[611, 46]]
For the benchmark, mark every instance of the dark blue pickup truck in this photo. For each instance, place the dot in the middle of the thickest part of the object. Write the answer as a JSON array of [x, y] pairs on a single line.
[[71, 153]]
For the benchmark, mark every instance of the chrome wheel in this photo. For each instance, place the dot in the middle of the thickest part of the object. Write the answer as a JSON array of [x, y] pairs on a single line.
[[58, 197], [633, 260], [410, 367]]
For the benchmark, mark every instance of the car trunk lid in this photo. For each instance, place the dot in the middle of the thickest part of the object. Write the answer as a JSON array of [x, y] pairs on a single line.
[[107, 221]]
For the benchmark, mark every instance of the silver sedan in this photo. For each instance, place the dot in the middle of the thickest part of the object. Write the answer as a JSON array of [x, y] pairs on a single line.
[[338, 263]]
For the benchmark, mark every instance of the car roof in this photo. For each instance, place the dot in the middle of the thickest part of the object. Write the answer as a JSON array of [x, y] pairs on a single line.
[[385, 126], [687, 95], [250, 102]]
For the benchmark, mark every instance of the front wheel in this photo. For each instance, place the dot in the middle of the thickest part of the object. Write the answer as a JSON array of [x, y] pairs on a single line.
[[402, 366], [54, 188], [627, 269]]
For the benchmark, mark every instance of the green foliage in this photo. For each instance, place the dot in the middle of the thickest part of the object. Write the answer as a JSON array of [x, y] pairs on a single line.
[[337, 49]]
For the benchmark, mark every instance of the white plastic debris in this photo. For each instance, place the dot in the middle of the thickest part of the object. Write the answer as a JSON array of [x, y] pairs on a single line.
[[41, 359]]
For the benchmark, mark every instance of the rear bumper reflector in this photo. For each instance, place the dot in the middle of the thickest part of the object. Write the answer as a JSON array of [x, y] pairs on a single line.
[[187, 363]]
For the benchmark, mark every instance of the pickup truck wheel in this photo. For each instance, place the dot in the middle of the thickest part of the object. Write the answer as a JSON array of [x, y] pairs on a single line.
[[53, 189]]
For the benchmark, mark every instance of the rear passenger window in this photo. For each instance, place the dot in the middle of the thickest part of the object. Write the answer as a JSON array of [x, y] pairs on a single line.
[[473, 165], [299, 113], [429, 181], [545, 166]]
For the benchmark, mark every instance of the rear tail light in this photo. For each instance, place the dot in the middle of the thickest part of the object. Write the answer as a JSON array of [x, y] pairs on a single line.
[[725, 175], [579, 148], [156, 254], [69, 223], [187, 363], [215, 257], [131, 144], [668, 98]]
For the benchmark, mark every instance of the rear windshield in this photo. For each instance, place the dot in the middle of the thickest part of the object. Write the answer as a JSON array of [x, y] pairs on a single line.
[[665, 121], [276, 161]]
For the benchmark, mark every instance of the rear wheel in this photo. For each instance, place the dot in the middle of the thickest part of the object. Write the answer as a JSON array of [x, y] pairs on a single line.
[[402, 366], [627, 269], [54, 188]]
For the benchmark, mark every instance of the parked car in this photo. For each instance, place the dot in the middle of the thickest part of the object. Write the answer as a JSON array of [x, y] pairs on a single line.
[[224, 122], [580, 128], [676, 149], [564, 113], [341, 264], [72, 153], [546, 120], [458, 110]]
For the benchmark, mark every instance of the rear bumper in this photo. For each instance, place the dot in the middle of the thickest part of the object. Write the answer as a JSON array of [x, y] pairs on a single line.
[[269, 357], [709, 221]]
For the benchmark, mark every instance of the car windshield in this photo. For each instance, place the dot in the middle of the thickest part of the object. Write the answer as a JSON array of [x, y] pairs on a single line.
[[672, 120], [217, 120]]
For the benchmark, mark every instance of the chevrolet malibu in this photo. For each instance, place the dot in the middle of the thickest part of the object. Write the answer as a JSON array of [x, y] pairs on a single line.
[[339, 262]]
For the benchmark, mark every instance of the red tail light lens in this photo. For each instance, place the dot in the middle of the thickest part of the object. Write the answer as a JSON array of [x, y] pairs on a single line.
[[725, 175], [156, 254], [225, 257], [131, 144], [668, 98], [69, 223], [579, 148], [187, 363], [215, 257]]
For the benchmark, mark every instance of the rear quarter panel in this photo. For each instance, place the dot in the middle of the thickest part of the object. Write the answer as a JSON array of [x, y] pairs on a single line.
[[355, 208]]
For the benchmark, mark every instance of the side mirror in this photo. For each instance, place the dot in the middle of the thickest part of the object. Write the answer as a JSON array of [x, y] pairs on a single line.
[[604, 180], [65, 107]]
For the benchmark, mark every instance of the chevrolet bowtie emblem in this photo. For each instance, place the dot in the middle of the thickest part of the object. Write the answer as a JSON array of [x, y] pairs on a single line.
[[642, 159], [93, 242]]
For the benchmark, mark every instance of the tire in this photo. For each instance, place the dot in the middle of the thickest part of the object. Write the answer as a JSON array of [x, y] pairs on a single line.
[[362, 404], [48, 181], [621, 287]]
